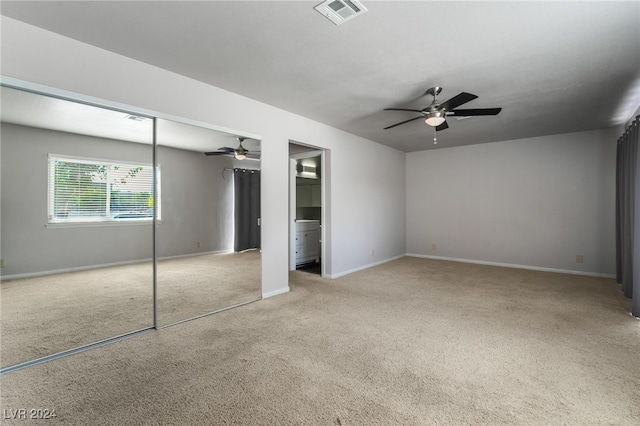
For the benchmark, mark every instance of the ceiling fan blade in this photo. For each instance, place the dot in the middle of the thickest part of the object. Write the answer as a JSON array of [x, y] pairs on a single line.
[[402, 122], [402, 109], [458, 100], [222, 151], [443, 126], [474, 112]]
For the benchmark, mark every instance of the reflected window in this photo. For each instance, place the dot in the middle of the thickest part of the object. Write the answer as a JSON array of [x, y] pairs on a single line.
[[87, 190]]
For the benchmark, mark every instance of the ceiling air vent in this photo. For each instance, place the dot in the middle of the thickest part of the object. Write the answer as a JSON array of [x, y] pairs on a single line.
[[339, 11]]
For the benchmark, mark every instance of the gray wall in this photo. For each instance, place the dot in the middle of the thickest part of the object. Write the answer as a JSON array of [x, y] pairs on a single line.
[[197, 202], [535, 202], [195, 205]]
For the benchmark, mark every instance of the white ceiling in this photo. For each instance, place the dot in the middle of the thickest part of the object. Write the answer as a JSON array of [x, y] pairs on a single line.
[[553, 67]]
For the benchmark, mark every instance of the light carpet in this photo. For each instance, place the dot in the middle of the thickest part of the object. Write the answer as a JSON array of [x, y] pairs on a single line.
[[411, 342]]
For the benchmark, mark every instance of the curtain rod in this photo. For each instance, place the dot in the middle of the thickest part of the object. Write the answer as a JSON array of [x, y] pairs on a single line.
[[634, 122], [237, 168]]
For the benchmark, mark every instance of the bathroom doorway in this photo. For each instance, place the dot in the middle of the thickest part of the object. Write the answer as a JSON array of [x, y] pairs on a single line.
[[307, 189]]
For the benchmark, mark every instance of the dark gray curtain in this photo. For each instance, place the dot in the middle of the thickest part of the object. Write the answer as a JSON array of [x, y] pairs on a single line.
[[628, 215], [246, 209]]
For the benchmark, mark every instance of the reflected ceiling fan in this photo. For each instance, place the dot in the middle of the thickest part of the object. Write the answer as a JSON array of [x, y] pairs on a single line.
[[240, 153], [435, 114]]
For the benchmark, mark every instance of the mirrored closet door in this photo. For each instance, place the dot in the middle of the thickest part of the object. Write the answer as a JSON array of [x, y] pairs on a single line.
[[76, 224], [81, 262], [208, 234]]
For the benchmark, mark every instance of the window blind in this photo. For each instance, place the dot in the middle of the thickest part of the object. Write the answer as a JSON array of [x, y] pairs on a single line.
[[82, 190]]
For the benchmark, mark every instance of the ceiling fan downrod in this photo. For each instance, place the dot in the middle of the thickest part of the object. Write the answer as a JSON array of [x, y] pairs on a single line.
[[434, 91]]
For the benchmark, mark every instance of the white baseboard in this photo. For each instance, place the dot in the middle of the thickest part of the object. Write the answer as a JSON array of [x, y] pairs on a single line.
[[513, 265], [74, 269], [102, 265], [180, 256], [360, 268], [275, 292]]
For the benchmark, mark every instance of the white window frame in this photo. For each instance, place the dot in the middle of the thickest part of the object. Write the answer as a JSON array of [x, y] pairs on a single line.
[[107, 218]]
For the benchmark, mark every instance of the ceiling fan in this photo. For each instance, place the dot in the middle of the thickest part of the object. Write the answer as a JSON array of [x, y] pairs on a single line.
[[435, 114], [240, 153]]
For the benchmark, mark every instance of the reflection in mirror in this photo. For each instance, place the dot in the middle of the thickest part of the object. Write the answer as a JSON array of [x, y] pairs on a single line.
[[200, 268], [76, 225], [208, 238]]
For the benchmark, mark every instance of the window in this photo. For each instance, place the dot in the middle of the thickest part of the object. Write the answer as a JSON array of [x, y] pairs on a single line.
[[82, 190]]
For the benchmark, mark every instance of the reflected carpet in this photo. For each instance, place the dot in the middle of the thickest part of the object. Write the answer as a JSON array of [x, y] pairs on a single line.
[[44, 315]]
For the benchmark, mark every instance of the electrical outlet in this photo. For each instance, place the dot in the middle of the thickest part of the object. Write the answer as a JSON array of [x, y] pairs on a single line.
[[434, 247], [1, 263], [198, 244], [373, 252], [579, 258]]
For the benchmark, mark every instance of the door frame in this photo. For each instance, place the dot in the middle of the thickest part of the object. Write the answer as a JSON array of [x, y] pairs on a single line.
[[325, 225]]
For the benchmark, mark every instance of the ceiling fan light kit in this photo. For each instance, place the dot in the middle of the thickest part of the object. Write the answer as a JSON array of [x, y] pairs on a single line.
[[436, 118], [435, 115]]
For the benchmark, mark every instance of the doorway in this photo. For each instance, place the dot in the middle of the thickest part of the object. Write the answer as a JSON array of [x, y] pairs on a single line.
[[307, 190]]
